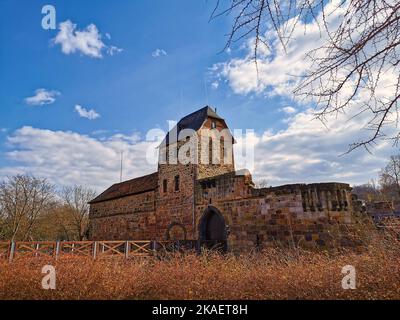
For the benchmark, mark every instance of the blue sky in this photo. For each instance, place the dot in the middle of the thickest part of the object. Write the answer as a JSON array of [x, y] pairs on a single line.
[[126, 87], [137, 89]]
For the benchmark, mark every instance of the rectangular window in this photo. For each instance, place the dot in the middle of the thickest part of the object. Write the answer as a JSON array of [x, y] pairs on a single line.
[[213, 124], [165, 185], [176, 183]]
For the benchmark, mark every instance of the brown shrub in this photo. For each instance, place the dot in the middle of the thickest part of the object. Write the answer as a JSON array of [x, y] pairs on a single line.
[[271, 274]]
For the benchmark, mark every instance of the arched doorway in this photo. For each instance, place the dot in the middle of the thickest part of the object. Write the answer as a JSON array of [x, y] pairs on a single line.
[[212, 230]]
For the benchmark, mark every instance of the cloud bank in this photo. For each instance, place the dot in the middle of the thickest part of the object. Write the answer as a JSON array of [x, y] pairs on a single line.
[[309, 151], [306, 151], [68, 158]]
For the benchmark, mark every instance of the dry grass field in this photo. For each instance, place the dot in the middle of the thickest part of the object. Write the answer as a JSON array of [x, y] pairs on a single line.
[[271, 274]]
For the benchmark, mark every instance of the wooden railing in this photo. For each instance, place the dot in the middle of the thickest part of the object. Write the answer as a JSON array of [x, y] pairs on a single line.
[[94, 249], [102, 249]]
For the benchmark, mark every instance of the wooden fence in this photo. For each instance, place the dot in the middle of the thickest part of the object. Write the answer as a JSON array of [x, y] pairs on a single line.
[[94, 249], [102, 249]]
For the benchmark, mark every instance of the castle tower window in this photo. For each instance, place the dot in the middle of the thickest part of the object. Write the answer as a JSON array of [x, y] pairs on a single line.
[[222, 143], [176, 183], [188, 152], [210, 151], [213, 124], [165, 184]]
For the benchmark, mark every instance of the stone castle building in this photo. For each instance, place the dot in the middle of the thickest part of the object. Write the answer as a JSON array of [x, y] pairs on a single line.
[[212, 202]]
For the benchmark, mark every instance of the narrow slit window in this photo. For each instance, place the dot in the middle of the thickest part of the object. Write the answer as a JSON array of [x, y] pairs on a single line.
[[165, 185], [210, 151], [176, 183], [222, 143]]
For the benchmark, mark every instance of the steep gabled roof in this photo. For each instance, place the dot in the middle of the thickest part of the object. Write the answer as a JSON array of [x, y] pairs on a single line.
[[130, 187], [192, 121]]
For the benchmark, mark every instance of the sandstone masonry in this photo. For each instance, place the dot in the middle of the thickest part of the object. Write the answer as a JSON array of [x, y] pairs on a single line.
[[214, 203]]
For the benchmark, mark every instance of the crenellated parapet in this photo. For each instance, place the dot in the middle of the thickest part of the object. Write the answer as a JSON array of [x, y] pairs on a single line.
[[327, 196], [305, 214]]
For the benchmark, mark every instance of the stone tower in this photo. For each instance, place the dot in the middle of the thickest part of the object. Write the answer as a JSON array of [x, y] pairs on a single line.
[[199, 146]]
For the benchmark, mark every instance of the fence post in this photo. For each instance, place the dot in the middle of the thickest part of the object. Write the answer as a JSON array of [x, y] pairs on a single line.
[[198, 246], [95, 250], [57, 249], [126, 249], [12, 249], [36, 249]]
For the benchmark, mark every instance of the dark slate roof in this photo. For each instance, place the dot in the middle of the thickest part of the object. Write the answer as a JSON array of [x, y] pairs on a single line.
[[130, 187], [192, 121]]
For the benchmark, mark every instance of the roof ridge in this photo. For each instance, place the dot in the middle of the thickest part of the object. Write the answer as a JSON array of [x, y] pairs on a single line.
[[129, 180], [192, 121], [129, 187]]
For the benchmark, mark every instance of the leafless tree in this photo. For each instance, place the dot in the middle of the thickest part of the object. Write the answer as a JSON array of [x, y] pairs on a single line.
[[389, 178], [252, 18], [23, 199], [262, 183], [349, 72], [369, 192], [76, 200]]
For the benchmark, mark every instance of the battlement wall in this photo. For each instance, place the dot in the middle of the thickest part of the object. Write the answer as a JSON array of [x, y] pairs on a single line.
[[313, 215]]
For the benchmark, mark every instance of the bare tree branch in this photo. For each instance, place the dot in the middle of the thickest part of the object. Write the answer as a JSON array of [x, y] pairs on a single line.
[[357, 69]]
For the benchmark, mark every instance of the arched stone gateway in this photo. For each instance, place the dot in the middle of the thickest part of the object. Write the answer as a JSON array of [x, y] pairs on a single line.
[[213, 230]]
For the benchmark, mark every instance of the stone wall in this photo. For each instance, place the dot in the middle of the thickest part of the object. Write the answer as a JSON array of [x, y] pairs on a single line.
[[130, 217], [175, 207], [219, 149], [314, 215], [308, 215]]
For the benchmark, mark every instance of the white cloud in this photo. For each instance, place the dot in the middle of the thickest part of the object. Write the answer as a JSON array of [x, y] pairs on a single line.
[[288, 110], [305, 152], [42, 97], [279, 71], [215, 85], [67, 158], [158, 53], [308, 151], [87, 41], [113, 50], [84, 113]]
